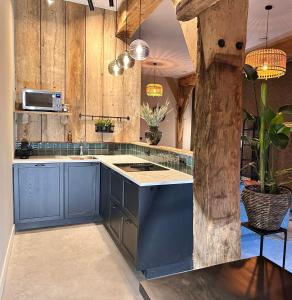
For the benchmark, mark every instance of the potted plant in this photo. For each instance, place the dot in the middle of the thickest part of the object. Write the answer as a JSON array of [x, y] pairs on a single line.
[[153, 117], [104, 125], [268, 202]]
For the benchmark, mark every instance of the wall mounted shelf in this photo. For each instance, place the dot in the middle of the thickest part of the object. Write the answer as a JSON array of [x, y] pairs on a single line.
[[19, 111], [92, 117]]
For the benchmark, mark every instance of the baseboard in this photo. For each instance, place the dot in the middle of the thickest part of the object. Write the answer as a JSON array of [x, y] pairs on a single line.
[[6, 260]]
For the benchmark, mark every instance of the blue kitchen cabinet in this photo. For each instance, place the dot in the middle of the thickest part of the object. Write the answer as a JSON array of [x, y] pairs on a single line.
[[152, 225], [38, 193], [82, 190], [104, 207]]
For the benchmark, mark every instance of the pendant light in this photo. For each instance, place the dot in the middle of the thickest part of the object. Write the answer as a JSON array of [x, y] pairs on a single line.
[[125, 60], [139, 49], [154, 89], [269, 63], [114, 68]]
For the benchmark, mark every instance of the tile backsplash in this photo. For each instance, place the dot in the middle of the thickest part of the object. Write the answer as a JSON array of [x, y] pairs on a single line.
[[180, 162]]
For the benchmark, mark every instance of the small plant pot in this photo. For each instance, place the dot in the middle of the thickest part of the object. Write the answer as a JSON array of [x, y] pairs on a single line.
[[266, 211], [104, 129], [153, 136]]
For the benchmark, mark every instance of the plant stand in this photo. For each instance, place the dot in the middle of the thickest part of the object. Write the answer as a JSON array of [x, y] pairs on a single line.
[[263, 233]]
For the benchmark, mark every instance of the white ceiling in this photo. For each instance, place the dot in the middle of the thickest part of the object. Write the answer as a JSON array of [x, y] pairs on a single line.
[[167, 45]]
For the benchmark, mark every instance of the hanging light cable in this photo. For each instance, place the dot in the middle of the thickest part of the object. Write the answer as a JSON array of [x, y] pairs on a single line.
[[269, 63], [125, 60], [139, 49], [154, 89], [114, 68]]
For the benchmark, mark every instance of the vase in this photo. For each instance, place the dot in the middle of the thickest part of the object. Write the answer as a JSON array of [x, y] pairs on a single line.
[[153, 136], [266, 211]]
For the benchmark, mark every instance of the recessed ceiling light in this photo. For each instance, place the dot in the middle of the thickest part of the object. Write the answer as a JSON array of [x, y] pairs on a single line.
[[50, 2]]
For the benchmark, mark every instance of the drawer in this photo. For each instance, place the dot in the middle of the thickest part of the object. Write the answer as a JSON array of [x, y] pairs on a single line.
[[116, 221], [116, 189]]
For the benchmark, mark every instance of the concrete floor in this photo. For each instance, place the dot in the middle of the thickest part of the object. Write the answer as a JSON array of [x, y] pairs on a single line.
[[69, 263]]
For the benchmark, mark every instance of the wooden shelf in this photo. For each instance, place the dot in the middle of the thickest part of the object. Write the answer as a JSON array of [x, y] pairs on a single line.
[[18, 111]]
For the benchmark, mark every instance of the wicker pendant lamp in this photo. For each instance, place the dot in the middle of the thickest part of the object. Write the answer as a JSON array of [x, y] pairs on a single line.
[[269, 62], [154, 89]]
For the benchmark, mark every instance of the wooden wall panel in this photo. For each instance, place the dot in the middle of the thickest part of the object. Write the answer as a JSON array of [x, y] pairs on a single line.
[[75, 67], [112, 86], [27, 61], [53, 61], [94, 70], [68, 48], [132, 96]]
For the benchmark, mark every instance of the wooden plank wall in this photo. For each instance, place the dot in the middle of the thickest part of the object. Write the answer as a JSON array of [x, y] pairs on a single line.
[[65, 47]]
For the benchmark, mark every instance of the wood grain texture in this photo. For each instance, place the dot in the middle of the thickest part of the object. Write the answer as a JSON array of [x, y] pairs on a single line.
[[148, 6], [112, 86], [94, 70], [53, 61], [217, 138], [75, 67], [27, 61], [190, 9], [61, 47]]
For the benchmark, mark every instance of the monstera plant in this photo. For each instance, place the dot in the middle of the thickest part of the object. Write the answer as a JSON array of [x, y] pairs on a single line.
[[268, 202]]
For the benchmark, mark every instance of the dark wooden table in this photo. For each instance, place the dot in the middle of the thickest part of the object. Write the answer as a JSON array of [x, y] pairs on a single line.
[[263, 233], [255, 278]]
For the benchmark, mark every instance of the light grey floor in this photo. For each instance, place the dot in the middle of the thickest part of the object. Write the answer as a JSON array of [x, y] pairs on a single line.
[[69, 263]]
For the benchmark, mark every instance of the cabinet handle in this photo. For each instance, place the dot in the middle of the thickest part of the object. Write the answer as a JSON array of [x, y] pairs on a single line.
[[40, 165]]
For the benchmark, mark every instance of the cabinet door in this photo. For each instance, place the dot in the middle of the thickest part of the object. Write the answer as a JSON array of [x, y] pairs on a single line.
[[116, 220], [38, 192], [131, 198], [81, 189], [129, 237], [105, 193], [116, 188]]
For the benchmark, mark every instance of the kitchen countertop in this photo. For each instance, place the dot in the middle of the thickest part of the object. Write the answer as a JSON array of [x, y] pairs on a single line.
[[149, 178]]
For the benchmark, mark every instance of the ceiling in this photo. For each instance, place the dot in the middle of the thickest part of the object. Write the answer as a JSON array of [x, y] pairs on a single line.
[[167, 45]]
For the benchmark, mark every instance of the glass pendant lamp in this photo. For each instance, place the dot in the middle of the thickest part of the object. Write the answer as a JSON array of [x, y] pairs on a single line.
[[154, 89], [125, 60], [114, 67], [139, 49], [269, 62]]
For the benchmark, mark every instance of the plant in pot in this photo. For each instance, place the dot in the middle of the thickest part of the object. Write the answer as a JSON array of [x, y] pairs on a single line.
[[268, 202], [104, 125], [153, 117]]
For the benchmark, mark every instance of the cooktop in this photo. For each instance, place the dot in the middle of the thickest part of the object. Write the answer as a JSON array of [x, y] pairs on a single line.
[[140, 167]]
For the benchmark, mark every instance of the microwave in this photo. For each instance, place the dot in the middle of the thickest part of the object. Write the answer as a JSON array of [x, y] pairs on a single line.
[[41, 100]]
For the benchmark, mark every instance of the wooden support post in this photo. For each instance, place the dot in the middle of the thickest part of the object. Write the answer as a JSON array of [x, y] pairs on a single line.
[[217, 131], [181, 93]]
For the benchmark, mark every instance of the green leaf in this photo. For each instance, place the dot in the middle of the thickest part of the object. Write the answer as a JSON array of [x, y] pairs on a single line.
[[278, 119], [250, 72], [287, 109], [248, 115], [268, 114], [280, 140]]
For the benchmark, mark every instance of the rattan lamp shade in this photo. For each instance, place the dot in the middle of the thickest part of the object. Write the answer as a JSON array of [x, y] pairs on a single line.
[[154, 90], [269, 63]]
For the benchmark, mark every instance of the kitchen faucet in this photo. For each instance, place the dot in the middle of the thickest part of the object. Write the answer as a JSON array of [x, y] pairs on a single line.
[[81, 150]]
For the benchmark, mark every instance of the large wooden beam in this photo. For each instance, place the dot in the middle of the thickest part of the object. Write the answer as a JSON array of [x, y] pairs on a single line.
[[217, 131], [148, 6], [189, 80], [190, 9], [182, 95]]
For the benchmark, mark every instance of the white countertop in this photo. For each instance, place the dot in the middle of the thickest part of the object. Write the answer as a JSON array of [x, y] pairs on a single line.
[[148, 178]]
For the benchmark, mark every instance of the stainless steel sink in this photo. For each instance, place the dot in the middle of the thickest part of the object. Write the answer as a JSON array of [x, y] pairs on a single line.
[[82, 157]]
